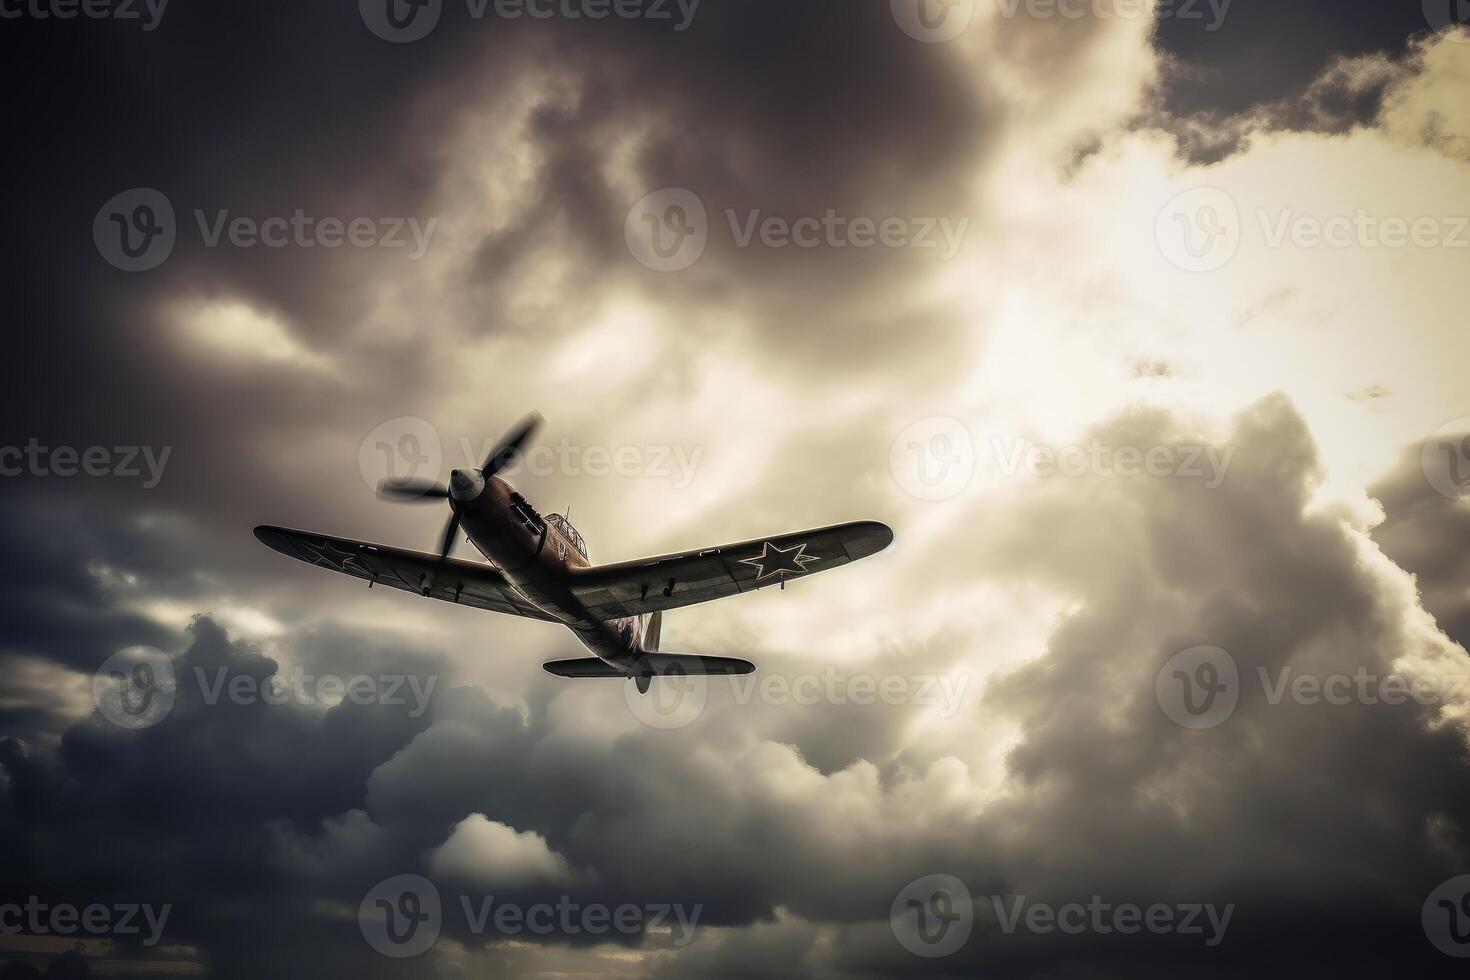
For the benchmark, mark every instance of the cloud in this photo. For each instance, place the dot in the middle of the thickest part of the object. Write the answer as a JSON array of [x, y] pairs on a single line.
[[493, 855], [238, 333], [1052, 602]]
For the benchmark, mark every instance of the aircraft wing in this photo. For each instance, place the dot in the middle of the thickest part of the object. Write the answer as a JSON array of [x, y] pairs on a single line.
[[668, 582], [467, 583]]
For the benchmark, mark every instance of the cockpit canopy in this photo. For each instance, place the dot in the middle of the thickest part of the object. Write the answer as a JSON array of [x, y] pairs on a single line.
[[564, 526]]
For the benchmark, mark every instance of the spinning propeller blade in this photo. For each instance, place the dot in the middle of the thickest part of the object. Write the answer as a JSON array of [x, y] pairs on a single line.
[[510, 445], [413, 491]]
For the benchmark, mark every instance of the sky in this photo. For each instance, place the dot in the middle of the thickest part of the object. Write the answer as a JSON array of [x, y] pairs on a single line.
[[1142, 327]]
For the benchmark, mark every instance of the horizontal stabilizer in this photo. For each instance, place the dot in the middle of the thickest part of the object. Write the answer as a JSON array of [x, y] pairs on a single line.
[[653, 664], [681, 664], [590, 667]]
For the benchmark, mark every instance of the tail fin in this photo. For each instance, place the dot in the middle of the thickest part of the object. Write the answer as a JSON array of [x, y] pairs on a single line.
[[652, 631]]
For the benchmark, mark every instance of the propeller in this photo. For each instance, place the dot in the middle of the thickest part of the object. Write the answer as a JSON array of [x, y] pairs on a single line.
[[510, 445], [450, 530], [413, 491], [422, 491]]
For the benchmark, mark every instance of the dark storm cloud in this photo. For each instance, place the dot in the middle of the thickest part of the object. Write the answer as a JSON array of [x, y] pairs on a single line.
[[261, 109], [1221, 86], [55, 605], [1264, 51], [181, 813], [1348, 93], [186, 813], [1284, 807], [1426, 533]]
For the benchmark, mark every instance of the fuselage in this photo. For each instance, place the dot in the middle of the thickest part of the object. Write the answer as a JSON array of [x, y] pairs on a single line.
[[538, 555]]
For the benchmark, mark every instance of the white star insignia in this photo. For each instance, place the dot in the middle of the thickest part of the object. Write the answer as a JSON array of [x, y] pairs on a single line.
[[775, 561], [327, 555]]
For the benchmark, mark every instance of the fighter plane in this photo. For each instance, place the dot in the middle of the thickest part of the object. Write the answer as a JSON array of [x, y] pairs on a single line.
[[539, 569]]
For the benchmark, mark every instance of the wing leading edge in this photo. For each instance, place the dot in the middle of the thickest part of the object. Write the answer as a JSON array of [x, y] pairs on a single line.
[[671, 581], [450, 580]]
